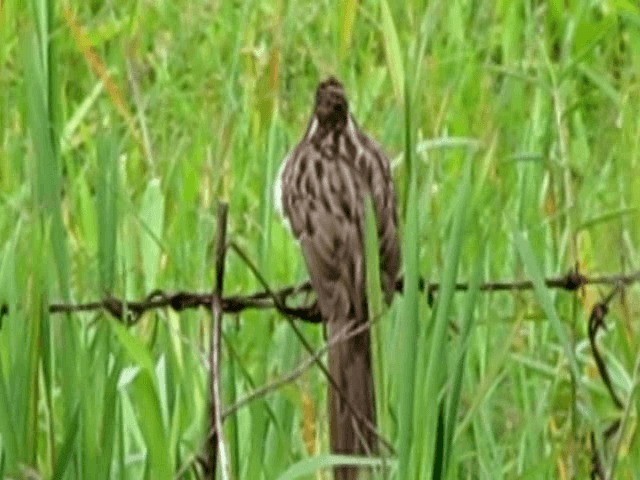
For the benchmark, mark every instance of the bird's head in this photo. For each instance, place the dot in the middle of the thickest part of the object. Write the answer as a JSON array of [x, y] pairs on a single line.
[[332, 108]]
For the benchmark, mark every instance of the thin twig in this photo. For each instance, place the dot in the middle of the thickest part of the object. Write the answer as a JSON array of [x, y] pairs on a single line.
[[596, 322], [216, 440]]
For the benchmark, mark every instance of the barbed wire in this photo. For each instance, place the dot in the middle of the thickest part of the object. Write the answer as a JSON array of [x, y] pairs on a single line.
[[280, 300]]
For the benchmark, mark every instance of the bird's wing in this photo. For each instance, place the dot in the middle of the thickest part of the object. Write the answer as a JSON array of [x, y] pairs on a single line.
[[323, 201]]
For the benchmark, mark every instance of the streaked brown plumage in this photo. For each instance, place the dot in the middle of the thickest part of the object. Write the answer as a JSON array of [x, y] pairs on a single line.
[[323, 184]]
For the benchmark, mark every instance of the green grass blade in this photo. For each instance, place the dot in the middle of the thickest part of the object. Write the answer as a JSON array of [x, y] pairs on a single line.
[[152, 217], [372, 258], [310, 466], [392, 51], [436, 363], [147, 404], [65, 455], [455, 390], [46, 172], [107, 210], [409, 323], [149, 413], [544, 297], [348, 14], [267, 194], [7, 425], [376, 307]]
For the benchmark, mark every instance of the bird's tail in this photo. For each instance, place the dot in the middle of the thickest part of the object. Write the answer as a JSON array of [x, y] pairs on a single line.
[[350, 367]]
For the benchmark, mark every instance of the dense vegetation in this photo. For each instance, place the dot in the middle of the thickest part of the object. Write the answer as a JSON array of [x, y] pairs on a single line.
[[515, 137]]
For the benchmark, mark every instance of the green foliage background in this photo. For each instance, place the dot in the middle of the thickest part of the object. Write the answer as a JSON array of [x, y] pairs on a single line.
[[515, 138]]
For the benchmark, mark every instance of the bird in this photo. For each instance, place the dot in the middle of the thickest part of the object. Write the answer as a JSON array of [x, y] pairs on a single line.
[[320, 191]]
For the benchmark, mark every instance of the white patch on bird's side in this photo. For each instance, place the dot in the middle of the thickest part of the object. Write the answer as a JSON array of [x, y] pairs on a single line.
[[277, 186], [353, 133], [351, 128], [312, 128], [277, 194]]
